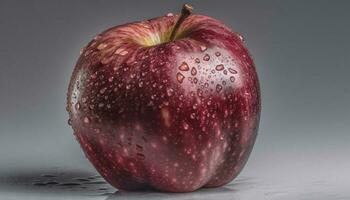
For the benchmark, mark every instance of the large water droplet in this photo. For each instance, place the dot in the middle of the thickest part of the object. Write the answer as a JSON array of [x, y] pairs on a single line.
[[180, 78], [219, 67], [232, 71], [218, 88], [193, 71], [77, 106], [184, 67], [206, 57]]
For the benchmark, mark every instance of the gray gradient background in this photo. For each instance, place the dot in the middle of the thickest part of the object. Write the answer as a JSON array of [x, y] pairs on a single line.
[[301, 50]]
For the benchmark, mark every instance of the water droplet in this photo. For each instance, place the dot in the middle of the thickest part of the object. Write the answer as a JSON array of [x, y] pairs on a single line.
[[169, 92], [139, 147], [206, 57], [180, 78], [193, 71], [217, 54], [195, 106], [184, 67], [140, 84], [185, 125], [240, 37], [170, 14], [100, 105], [86, 120], [83, 99], [219, 67], [128, 86], [195, 80], [103, 90], [225, 72], [203, 48], [110, 79], [232, 71], [101, 46], [232, 79], [218, 88], [141, 156], [206, 85], [223, 82], [70, 122], [193, 115], [197, 60], [77, 106]]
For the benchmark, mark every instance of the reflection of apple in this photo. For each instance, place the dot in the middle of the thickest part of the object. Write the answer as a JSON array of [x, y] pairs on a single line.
[[170, 103]]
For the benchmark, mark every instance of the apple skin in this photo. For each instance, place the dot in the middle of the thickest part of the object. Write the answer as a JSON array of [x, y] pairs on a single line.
[[172, 116]]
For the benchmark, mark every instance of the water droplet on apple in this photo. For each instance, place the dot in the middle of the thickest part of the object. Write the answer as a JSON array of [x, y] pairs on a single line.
[[128, 86], [169, 92], [232, 71], [219, 67], [193, 71], [101, 46], [83, 100], [223, 82], [206, 57], [218, 88], [121, 51], [185, 125], [180, 78], [195, 106], [103, 90], [140, 156], [110, 79], [77, 106], [240, 37], [70, 122], [140, 83], [232, 79], [206, 85], [193, 115], [203, 48], [217, 54], [170, 14], [197, 60], [100, 105], [195, 80], [86, 120], [225, 72], [184, 67]]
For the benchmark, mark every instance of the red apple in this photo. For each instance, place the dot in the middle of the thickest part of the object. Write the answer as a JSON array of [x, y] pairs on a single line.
[[171, 103]]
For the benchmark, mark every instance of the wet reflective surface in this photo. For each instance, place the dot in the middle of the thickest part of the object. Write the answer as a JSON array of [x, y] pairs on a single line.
[[59, 183]]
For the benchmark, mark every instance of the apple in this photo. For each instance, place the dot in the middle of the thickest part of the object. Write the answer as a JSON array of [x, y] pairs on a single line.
[[171, 103]]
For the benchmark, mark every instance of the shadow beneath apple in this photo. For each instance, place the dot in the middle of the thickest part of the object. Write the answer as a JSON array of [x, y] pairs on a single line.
[[72, 182], [227, 192]]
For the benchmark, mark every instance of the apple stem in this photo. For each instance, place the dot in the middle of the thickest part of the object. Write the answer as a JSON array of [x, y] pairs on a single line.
[[185, 12]]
